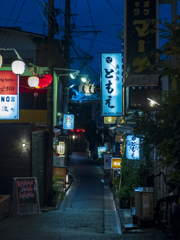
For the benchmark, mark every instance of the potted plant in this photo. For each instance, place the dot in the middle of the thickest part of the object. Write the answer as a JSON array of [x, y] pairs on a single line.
[[57, 190]]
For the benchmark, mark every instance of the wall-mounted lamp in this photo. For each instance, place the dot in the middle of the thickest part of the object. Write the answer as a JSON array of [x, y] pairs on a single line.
[[23, 145], [83, 79], [75, 74], [72, 85], [152, 103]]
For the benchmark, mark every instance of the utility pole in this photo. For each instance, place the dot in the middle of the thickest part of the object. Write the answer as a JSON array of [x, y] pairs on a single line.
[[67, 57], [49, 153]]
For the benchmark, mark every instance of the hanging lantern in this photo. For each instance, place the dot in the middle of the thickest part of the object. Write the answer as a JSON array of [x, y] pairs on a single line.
[[1, 60], [33, 81], [45, 81], [91, 88], [86, 88], [49, 77], [40, 85], [18, 67]]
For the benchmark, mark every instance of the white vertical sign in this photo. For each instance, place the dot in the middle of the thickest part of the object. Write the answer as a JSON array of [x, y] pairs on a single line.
[[111, 84]]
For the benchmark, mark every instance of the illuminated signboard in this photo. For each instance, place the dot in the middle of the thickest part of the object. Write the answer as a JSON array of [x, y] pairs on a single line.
[[100, 151], [68, 121], [138, 41], [61, 148], [116, 163], [132, 147], [109, 120], [9, 95], [111, 84]]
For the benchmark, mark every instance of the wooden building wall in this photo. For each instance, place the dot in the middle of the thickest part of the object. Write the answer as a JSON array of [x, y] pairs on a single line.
[[16, 161]]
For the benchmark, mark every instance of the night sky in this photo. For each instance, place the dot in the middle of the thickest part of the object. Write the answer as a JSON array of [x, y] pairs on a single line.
[[87, 15]]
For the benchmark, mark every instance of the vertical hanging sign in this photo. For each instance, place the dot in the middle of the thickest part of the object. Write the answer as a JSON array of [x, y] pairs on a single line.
[[111, 84], [9, 95], [68, 121], [140, 40], [132, 147]]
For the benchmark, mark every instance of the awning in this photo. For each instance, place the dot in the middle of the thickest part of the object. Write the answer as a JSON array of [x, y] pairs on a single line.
[[126, 127], [56, 132]]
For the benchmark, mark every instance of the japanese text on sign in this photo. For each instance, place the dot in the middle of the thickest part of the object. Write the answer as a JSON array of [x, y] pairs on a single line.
[[26, 190], [111, 84], [9, 95], [138, 38]]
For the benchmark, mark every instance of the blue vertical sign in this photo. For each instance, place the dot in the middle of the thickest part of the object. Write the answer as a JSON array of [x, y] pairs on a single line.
[[68, 121], [132, 147], [111, 84]]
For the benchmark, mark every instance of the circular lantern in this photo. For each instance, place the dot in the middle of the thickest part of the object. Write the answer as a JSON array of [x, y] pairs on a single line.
[[86, 88], [49, 77], [46, 82], [1, 60], [33, 81], [18, 67], [40, 85]]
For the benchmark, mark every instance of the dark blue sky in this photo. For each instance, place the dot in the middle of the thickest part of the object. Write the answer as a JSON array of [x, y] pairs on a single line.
[[92, 15]]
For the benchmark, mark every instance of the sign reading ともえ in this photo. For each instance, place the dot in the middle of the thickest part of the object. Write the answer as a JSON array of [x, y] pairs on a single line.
[[9, 95], [68, 121], [111, 84]]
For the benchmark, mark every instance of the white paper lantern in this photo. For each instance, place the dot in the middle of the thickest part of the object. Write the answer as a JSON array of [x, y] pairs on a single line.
[[33, 81], [1, 60], [18, 67]]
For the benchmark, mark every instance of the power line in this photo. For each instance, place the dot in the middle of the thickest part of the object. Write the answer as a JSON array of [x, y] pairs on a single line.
[[11, 13], [110, 4], [15, 21]]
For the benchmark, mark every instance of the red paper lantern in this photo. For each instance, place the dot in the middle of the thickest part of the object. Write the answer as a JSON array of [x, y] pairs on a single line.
[[44, 81], [49, 77]]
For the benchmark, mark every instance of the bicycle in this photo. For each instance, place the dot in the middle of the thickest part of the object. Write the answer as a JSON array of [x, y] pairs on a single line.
[[167, 214]]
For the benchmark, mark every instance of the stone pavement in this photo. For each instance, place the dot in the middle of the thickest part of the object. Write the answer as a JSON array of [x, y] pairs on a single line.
[[48, 222]]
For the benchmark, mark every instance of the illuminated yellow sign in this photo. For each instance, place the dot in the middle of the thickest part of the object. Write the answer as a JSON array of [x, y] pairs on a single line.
[[109, 120], [116, 163]]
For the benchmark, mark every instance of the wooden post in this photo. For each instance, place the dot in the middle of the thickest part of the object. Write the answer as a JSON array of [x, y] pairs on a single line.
[[49, 153]]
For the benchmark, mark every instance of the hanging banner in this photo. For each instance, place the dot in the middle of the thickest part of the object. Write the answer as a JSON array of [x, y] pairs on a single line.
[[107, 160], [111, 84], [132, 147], [9, 95], [68, 121], [140, 38]]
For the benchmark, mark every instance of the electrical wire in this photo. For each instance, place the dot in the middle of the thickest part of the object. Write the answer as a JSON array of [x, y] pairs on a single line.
[[11, 13], [14, 22], [110, 4]]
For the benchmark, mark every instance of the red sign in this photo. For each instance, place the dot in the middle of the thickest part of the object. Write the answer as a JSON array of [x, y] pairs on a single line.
[[8, 83]]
